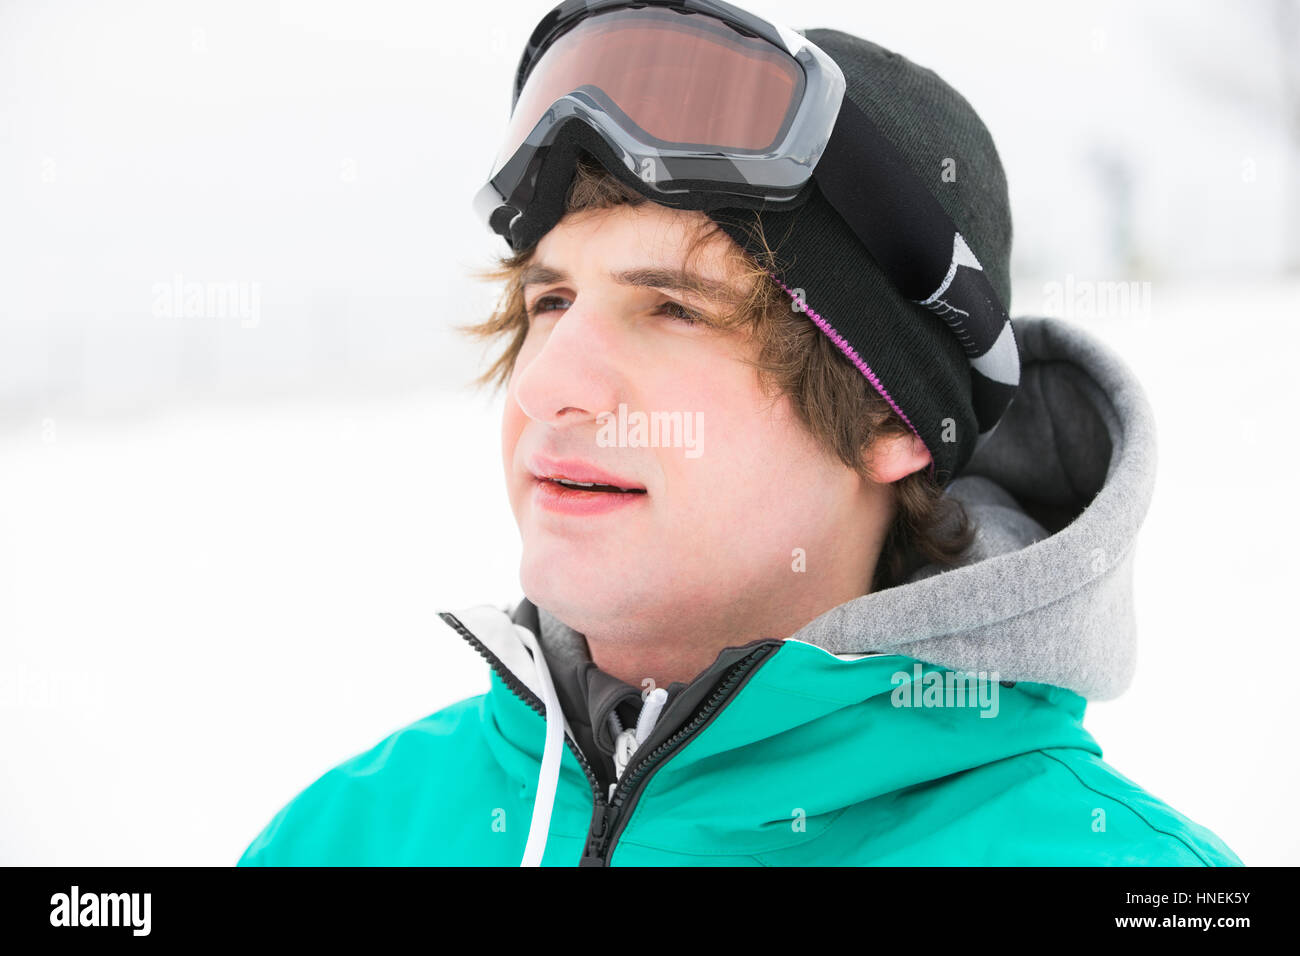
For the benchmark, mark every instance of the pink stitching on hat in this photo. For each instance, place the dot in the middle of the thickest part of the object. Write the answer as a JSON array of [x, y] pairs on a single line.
[[853, 356]]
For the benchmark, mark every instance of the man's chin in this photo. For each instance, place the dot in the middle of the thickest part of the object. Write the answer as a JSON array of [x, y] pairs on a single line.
[[582, 586], [552, 577]]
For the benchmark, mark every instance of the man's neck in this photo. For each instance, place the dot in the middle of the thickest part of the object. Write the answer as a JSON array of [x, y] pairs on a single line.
[[683, 648]]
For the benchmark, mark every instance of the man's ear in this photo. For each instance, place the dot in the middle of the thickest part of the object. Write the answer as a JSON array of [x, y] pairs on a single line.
[[892, 457]]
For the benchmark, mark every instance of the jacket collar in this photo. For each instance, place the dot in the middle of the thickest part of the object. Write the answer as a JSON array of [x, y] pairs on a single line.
[[807, 730]]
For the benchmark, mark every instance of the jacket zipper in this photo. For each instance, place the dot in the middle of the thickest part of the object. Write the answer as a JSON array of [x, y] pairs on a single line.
[[609, 816]]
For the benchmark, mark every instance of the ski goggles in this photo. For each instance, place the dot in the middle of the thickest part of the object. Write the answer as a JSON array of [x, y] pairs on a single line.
[[698, 104]]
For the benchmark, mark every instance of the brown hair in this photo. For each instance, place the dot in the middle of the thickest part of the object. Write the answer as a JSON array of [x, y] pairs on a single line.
[[795, 358]]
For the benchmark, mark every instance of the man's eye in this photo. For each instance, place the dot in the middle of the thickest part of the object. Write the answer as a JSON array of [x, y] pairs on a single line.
[[682, 313], [542, 304]]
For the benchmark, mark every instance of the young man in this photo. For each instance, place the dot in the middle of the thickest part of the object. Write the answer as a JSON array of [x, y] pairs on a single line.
[[789, 598]]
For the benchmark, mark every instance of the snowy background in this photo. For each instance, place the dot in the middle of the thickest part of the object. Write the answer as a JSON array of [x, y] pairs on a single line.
[[224, 535]]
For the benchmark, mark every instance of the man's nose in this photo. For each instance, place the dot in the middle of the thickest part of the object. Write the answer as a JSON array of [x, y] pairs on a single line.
[[574, 376]]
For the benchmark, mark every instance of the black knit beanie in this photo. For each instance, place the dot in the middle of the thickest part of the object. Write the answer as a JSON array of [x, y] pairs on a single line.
[[909, 354]]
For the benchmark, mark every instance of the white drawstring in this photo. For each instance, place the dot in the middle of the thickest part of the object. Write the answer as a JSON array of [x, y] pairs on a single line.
[[548, 778], [627, 741]]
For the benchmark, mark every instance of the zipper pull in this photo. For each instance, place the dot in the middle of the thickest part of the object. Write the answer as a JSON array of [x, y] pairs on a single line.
[[627, 741], [624, 747], [602, 824]]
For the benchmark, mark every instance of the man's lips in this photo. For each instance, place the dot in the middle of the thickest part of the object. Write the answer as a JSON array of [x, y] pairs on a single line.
[[569, 472], [576, 488]]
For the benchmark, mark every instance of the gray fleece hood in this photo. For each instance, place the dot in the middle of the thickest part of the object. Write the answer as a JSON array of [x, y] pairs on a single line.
[[1057, 494]]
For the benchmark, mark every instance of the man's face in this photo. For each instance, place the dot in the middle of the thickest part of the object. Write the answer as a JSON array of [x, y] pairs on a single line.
[[719, 504]]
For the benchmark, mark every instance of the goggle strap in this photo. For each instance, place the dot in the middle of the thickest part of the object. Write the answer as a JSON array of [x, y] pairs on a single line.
[[920, 250]]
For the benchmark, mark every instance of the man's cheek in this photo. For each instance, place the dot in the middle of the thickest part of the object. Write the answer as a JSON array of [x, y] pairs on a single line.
[[699, 500]]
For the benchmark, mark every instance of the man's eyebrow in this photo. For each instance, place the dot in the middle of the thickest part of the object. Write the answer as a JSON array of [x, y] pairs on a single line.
[[677, 280], [537, 274]]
